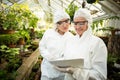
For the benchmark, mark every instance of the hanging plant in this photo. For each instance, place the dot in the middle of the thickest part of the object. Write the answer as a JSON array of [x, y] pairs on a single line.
[[114, 17], [71, 10], [91, 1], [96, 24]]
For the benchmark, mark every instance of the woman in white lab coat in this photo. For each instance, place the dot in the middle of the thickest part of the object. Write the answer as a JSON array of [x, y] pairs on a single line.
[[87, 46], [52, 45]]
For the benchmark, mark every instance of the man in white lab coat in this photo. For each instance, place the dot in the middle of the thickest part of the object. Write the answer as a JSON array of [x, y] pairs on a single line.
[[87, 46]]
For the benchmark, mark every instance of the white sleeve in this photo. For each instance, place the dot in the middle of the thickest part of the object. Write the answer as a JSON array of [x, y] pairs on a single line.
[[80, 74], [99, 65], [99, 62], [43, 49]]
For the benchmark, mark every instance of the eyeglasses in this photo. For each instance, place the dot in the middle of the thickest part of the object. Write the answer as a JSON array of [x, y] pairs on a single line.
[[80, 23], [65, 21]]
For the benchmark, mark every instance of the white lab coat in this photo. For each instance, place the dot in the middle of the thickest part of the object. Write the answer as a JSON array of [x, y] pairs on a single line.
[[51, 47], [94, 52]]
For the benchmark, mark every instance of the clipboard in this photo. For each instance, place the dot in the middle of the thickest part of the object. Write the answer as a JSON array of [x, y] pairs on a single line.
[[69, 63]]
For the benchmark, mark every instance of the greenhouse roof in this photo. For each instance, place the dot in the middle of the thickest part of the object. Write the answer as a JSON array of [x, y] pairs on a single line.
[[99, 10]]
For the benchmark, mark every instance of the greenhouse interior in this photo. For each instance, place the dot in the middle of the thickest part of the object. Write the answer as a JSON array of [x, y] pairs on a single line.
[[24, 22]]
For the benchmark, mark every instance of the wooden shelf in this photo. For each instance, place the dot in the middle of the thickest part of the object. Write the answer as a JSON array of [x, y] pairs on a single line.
[[25, 69]]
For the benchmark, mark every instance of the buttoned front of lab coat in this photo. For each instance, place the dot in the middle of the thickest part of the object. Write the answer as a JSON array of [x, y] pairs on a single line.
[[51, 47]]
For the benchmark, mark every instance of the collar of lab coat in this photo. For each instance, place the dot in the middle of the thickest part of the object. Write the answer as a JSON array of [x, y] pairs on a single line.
[[85, 36], [62, 36]]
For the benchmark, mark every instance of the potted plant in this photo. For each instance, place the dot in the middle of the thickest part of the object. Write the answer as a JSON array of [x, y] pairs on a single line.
[[9, 39], [17, 17], [8, 17], [24, 36]]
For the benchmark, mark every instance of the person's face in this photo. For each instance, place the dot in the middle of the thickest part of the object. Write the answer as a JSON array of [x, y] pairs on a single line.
[[80, 25], [63, 25]]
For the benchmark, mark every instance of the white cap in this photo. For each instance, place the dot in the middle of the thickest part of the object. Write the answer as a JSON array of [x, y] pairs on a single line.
[[82, 12], [59, 15]]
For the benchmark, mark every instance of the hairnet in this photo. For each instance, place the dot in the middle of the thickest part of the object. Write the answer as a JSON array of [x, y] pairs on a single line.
[[60, 15], [82, 12]]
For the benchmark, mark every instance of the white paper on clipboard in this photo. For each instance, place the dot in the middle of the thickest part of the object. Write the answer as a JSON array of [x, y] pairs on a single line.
[[69, 62]]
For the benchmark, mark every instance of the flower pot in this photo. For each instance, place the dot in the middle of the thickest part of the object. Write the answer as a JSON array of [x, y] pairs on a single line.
[[21, 41], [8, 31], [12, 45]]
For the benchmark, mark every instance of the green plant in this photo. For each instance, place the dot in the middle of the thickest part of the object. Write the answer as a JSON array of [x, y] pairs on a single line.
[[99, 24], [49, 17], [17, 17], [106, 28], [71, 10], [5, 75], [12, 60], [8, 17], [91, 1], [7, 52], [113, 72], [9, 39], [96, 23], [39, 33], [25, 35]]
